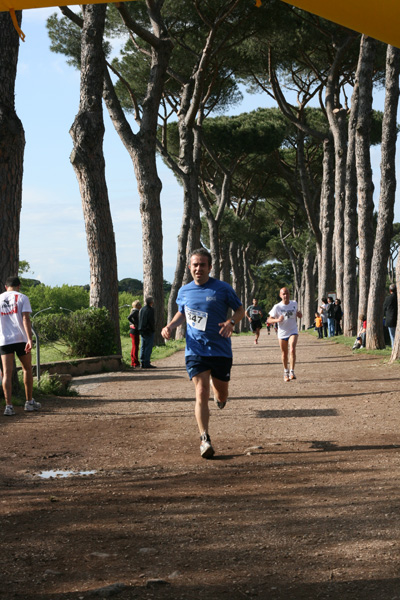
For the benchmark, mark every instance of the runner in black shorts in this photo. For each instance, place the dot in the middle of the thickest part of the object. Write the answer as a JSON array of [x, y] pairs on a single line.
[[254, 315], [16, 337], [204, 304]]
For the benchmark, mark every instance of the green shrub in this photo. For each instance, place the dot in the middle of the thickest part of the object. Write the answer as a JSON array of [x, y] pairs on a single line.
[[90, 332], [50, 327]]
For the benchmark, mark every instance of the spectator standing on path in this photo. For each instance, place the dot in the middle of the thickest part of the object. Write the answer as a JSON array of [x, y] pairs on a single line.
[[323, 311], [146, 330], [16, 337], [390, 311], [338, 315], [204, 303], [285, 314], [318, 325], [330, 313], [133, 319], [254, 315]]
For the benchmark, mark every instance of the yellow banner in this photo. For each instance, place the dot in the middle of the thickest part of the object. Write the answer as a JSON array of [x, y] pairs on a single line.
[[379, 19]]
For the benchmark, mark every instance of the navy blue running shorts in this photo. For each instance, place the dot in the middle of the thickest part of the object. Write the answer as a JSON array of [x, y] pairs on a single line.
[[19, 349], [220, 366]]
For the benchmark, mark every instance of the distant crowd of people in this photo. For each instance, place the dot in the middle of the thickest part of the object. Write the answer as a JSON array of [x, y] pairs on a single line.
[[328, 319]]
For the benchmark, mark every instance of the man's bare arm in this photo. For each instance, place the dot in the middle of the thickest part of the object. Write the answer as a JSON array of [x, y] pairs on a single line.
[[26, 321], [177, 320]]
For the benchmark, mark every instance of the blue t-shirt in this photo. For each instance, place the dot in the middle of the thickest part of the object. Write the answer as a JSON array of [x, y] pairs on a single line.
[[204, 307]]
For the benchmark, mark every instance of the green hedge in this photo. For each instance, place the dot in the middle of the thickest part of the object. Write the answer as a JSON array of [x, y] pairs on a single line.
[[87, 332]]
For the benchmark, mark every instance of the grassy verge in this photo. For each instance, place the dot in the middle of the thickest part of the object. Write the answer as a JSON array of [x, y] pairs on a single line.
[[159, 352], [53, 352], [348, 343], [59, 352]]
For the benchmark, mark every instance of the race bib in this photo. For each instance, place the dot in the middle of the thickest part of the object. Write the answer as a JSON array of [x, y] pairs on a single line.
[[196, 318]]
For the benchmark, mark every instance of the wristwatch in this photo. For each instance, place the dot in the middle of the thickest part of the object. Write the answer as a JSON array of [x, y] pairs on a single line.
[[233, 322]]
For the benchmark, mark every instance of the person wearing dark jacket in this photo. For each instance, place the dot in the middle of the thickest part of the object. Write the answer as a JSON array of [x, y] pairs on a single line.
[[133, 319], [146, 330], [390, 311], [330, 314], [338, 314]]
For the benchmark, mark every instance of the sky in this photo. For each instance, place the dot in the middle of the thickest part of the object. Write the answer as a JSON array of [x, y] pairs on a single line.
[[52, 237]]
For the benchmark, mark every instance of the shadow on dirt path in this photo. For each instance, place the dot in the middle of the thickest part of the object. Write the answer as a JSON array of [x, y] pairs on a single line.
[[301, 501]]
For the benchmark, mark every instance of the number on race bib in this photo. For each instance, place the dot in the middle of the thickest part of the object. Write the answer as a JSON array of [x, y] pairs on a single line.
[[196, 318]]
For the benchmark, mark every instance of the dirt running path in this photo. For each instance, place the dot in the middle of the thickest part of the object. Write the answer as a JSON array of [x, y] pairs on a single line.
[[301, 502]]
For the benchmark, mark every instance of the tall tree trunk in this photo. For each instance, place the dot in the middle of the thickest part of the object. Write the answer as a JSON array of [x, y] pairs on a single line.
[[337, 123], [236, 274], [349, 301], [396, 346], [325, 258], [340, 182], [365, 184], [247, 297], [181, 259], [87, 159], [293, 260], [225, 267], [308, 286], [12, 145], [375, 338]]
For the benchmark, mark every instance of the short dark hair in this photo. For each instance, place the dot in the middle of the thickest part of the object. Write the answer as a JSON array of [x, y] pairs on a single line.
[[201, 252], [324, 300], [13, 281], [149, 300]]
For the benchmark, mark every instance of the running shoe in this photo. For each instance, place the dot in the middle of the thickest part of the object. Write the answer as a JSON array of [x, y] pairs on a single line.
[[31, 406], [206, 450], [220, 405], [256, 342], [9, 410], [286, 376], [292, 375]]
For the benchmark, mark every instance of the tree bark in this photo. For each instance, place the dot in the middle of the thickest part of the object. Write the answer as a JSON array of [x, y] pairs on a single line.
[[236, 274], [181, 259], [308, 308], [327, 208], [375, 337], [365, 186], [12, 145], [337, 122], [87, 159], [225, 267], [350, 284], [396, 346]]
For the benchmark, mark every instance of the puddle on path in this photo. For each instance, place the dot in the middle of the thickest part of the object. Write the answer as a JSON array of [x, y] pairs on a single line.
[[59, 473]]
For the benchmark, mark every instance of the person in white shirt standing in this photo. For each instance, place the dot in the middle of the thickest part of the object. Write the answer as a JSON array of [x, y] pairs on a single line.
[[16, 338], [286, 313]]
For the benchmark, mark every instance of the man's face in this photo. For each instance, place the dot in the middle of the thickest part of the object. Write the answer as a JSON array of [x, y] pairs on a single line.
[[199, 269], [254, 301], [284, 294]]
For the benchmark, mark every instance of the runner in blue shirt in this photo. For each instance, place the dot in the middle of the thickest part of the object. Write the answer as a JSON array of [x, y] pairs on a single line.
[[204, 304]]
